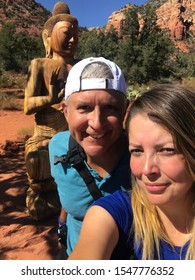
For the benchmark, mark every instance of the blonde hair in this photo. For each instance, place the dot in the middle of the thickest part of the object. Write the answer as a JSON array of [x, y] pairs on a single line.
[[148, 229], [172, 106]]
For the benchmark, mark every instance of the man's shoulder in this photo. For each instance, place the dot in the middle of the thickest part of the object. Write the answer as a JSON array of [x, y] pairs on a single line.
[[61, 135], [59, 142]]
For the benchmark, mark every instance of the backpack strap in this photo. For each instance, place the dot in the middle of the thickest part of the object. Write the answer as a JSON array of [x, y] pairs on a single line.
[[76, 156]]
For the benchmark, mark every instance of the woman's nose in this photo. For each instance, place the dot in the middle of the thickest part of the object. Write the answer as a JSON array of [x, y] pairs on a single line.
[[150, 165]]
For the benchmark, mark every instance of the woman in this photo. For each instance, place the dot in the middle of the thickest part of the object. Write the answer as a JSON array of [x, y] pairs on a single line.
[[159, 212]]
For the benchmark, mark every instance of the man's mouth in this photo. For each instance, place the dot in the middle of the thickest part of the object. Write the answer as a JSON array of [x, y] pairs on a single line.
[[95, 136]]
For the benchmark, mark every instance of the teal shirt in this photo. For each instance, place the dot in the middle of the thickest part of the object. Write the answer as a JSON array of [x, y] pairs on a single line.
[[73, 192]]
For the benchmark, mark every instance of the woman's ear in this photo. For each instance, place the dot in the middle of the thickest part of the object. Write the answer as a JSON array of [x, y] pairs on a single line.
[[128, 105], [46, 41]]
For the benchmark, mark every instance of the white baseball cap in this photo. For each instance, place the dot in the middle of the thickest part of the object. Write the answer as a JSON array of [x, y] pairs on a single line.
[[75, 83]]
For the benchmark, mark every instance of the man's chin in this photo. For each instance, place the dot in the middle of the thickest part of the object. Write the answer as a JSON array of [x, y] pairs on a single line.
[[95, 152]]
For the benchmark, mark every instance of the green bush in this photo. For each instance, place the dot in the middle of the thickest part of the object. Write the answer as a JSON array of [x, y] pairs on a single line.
[[8, 102]]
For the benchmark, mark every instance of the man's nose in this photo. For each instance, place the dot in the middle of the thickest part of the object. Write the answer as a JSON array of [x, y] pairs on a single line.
[[95, 119]]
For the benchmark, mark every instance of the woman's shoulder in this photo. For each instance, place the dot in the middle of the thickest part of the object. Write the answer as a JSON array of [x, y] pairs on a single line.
[[121, 196], [117, 204]]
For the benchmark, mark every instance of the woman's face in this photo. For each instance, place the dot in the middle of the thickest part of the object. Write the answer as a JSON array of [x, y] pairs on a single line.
[[64, 38], [155, 162], [95, 119]]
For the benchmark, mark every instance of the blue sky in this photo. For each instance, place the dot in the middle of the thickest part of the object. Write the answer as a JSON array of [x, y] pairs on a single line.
[[91, 13]]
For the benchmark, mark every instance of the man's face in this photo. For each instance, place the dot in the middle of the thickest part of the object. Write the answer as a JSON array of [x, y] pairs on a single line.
[[95, 119]]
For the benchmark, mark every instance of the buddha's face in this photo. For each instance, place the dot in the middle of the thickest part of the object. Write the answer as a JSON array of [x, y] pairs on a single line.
[[64, 38]]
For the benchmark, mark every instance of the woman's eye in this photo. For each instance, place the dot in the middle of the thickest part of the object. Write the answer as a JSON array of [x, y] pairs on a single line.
[[135, 152], [167, 151]]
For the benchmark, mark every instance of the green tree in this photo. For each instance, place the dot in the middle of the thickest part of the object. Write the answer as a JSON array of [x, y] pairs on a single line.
[[130, 26], [7, 47], [144, 54], [27, 48], [182, 65], [90, 43], [110, 44], [128, 46], [17, 49], [98, 43]]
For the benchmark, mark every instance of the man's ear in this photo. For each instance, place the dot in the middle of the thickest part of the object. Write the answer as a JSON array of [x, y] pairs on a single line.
[[65, 109]]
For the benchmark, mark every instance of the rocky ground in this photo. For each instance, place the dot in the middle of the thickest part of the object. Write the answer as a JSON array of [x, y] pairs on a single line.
[[21, 238]]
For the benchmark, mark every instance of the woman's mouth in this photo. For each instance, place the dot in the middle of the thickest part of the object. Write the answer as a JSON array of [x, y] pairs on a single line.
[[156, 188]]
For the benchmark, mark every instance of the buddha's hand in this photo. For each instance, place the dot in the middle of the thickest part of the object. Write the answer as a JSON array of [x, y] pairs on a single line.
[[55, 96]]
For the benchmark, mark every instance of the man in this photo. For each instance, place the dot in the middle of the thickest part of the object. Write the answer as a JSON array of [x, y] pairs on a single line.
[[95, 105]]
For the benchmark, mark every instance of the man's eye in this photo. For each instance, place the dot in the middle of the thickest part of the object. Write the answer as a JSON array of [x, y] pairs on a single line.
[[84, 108], [112, 108]]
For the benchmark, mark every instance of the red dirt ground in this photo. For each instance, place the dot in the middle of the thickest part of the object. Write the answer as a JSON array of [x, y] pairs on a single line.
[[21, 238]]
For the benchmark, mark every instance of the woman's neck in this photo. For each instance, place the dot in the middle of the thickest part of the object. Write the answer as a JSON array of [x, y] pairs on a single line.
[[178, 219]]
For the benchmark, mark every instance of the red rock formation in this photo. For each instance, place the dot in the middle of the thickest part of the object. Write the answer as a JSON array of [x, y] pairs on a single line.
[[176, 15], [26, 15], [117, 18]]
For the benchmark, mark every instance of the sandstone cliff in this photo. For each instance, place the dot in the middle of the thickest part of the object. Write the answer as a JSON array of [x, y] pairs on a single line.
[[176, 15]]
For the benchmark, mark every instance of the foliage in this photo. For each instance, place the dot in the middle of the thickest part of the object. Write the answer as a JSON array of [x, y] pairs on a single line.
[[98, 43], [8, 102], [27, 48], [130, 26], [17, 49], [11, 85], [144, 55], [182, 65], [156, 3], [12, 80], [189, 82], [7, 51], [133, 94]]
